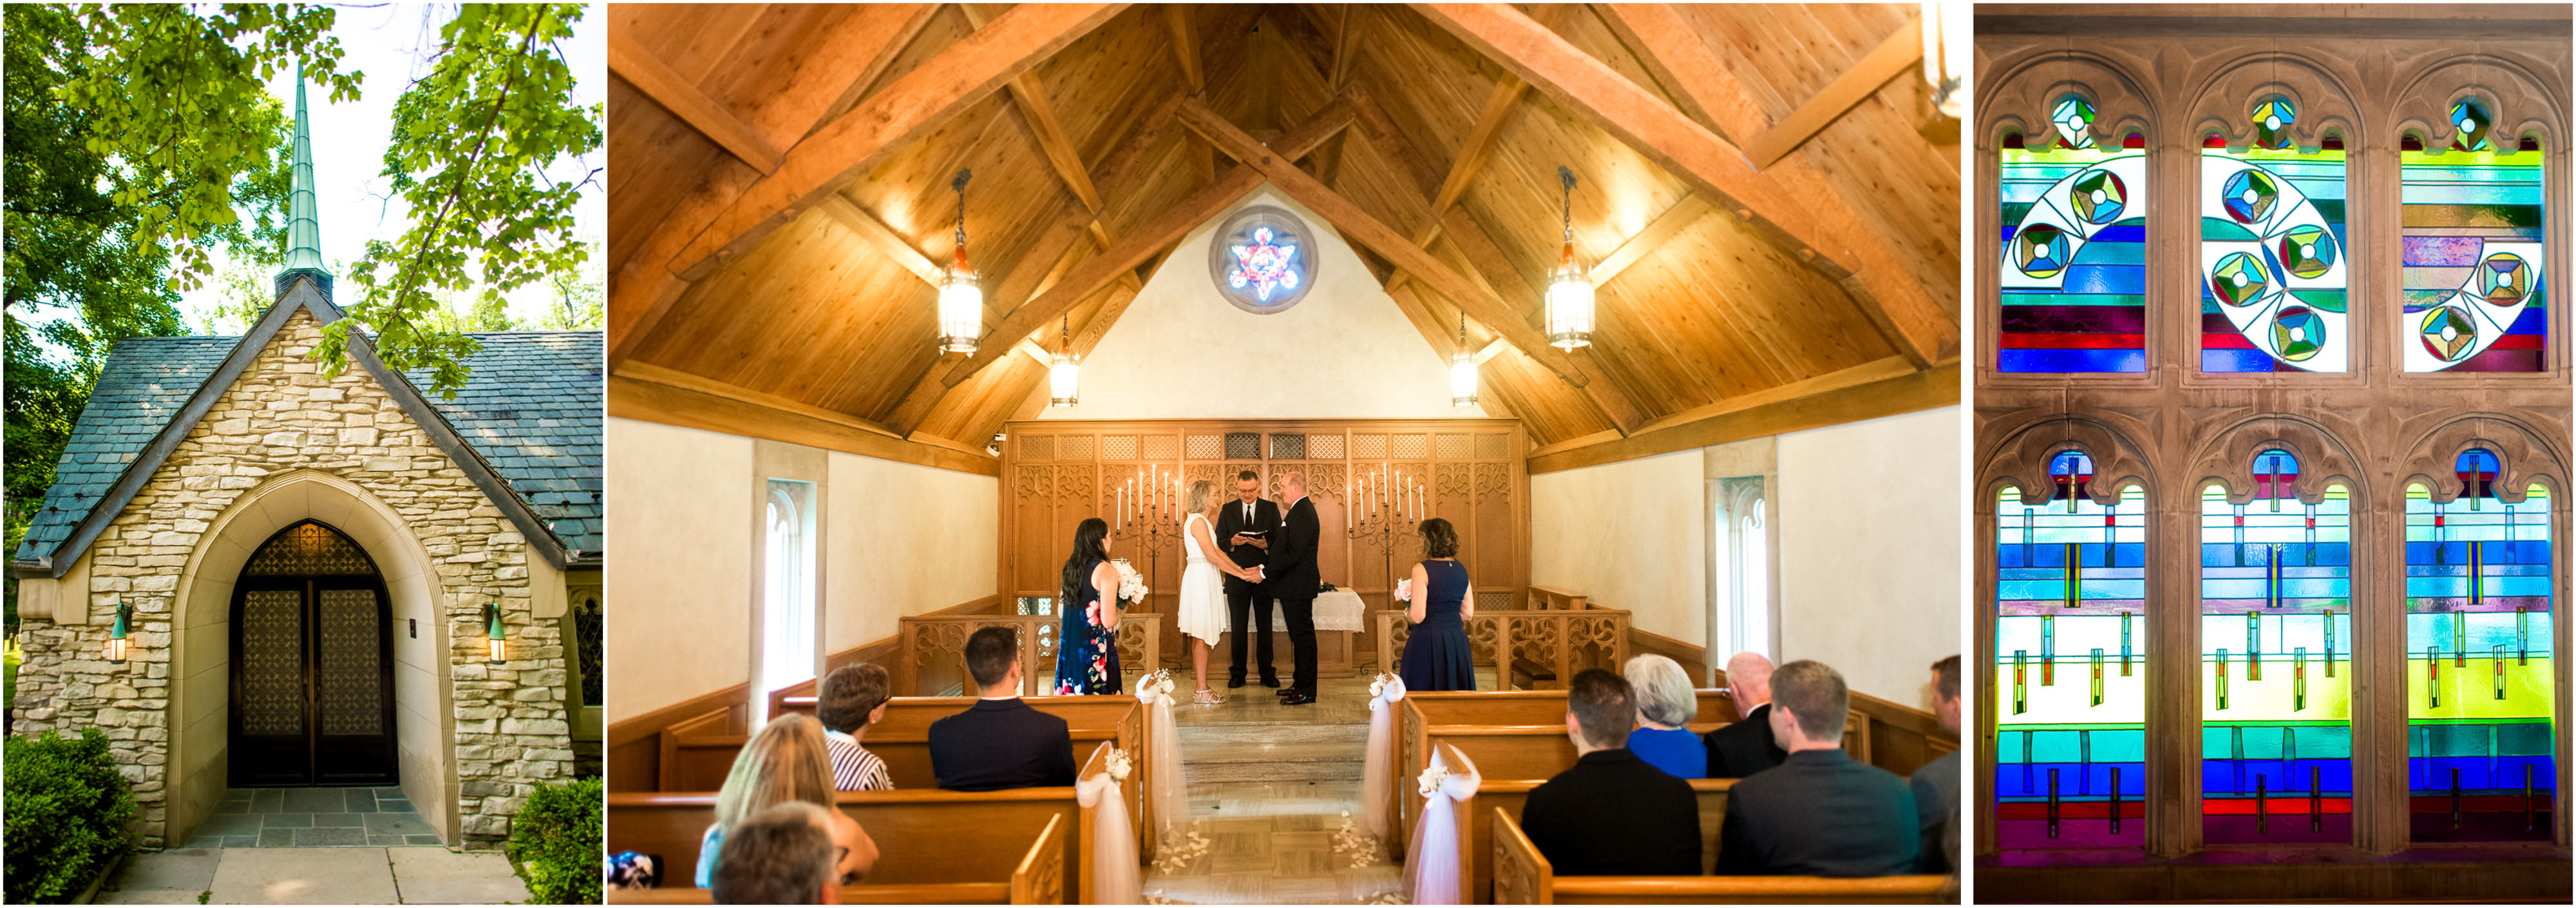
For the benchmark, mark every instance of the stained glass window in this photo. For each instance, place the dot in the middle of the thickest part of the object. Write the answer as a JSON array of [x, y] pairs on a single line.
[[2272, 251], [2276, 661], [2478, 632], [2070, 673], [1262, 259], [2074, 250], [2473, 217]]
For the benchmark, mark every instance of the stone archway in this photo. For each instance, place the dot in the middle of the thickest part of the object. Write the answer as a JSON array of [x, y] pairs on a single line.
[[424, 711]]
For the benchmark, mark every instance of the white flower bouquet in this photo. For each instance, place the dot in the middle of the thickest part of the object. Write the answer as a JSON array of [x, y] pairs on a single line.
[[1120, 766], [1377, 685], [1131, 585], [1160, 680], [1431, 778], [1404, 590]]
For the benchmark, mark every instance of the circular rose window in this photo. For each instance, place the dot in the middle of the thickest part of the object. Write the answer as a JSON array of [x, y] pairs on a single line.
[[1262, 259]]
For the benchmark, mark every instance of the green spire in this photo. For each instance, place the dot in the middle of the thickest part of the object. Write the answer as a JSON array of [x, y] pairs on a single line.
[[303, 228]]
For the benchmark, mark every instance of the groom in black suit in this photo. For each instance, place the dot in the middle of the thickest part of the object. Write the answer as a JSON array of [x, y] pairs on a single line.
[[1292, 579], [1245, 599]]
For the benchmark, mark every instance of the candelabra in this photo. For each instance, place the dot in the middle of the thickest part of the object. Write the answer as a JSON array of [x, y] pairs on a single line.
[[1150, 532], [1379, 532]]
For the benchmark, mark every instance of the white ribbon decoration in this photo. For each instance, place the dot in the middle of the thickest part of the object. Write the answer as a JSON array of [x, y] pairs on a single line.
[[1377, 772], [1167, 792], [1431, 871], [1115, 879]]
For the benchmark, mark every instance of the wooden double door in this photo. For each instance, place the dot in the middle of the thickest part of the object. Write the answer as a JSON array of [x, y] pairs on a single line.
[[312, 665]]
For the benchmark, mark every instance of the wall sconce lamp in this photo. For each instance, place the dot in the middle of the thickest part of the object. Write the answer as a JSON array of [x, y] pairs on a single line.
[[117, 633], [495, 633]]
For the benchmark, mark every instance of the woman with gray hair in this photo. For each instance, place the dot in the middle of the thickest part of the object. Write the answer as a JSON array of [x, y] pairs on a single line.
[[1665, 704]]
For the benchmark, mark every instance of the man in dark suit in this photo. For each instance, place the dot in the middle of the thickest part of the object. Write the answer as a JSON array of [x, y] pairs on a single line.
[[1612, 813], [1744, 747], [1244, 599], [1000, 742], [1291, 577], [1820, 812]]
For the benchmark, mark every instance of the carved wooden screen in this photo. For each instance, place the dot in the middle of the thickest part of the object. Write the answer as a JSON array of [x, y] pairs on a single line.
[[1472, 472]]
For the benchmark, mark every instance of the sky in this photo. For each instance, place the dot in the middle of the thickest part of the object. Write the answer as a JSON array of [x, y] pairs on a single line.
[[390, 43]]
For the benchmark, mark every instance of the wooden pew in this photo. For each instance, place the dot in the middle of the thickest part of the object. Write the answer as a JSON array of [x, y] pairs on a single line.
[[1535, 715], [1036, 877], [1475, 840], [696, 760], [1522, 876], [924, 836]]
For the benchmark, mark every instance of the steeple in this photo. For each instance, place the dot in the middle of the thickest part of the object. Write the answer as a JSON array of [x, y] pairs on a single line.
[[303, 226]]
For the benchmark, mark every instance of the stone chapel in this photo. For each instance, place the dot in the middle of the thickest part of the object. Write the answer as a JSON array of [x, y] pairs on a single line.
[[255, 572]]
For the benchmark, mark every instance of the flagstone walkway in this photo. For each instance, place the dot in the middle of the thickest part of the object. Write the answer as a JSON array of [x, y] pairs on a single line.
[[409, 874]]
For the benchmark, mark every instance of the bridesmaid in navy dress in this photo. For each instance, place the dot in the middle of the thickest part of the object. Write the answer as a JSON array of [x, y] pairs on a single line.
[[1086, 646], [1436, 655]]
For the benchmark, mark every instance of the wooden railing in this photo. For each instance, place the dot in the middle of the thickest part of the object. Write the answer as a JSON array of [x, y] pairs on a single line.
[[1561, 641], [1544, 599], [933, 651]]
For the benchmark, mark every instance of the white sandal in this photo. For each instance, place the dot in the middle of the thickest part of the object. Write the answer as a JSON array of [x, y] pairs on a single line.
[[1208, 698]]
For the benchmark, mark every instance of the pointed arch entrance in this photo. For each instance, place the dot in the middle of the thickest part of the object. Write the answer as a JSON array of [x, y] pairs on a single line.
[[312, 690]]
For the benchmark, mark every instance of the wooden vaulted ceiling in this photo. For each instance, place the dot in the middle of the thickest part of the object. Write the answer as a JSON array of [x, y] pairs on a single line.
[[1768, 201]]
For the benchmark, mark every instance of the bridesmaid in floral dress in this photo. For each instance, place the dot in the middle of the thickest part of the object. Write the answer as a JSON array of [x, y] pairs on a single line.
[[1086, 649]]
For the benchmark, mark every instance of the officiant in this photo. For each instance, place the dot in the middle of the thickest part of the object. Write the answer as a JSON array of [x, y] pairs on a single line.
[[1245, 524]]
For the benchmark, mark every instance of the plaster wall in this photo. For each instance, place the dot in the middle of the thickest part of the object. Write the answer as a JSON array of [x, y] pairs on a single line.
[[1627, 535], [1869, 545], [684, 579], [1182, 351], [905, 539]]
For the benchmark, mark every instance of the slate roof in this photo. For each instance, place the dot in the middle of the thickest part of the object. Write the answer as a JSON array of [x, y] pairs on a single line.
[[531, 410]]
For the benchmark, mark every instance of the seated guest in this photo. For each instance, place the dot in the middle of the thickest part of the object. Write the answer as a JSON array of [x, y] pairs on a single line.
[[1611, 814], [1820, 812], [1936, 785], [1000, 742], [1665, 702], [785, 762], [780, 856], [852, 698], [1745, 746]]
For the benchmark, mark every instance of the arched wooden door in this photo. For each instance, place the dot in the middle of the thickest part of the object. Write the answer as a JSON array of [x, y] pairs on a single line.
[[312, 664]]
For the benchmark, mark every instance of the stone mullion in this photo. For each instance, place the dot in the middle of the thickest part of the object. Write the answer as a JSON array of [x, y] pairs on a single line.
[[2380, 803], [2173, 621]]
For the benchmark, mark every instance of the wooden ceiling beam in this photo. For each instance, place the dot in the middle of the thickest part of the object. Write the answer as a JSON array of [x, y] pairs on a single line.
[[689, 242], [883, 238], [1667, 225], [1500, 104], [1651, 32], [658, 81], [1357, 224], [1097, 272], [1185, 45], [1045, 126], [1346, 41], [1894, 56], [875, 34], [1391, 144], [1816, 227]]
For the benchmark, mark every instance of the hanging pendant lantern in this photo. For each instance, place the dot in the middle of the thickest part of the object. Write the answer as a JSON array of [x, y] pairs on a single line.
[[117, 634], [1946, 37], [1064, 377], [1569, 289], [1462, 370], [961, 295]]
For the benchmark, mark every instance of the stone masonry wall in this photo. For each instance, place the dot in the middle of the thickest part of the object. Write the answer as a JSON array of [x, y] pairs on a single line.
[[512, 730]]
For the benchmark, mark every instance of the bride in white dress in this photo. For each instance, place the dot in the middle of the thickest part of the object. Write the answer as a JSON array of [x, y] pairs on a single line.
[[1202, 609]]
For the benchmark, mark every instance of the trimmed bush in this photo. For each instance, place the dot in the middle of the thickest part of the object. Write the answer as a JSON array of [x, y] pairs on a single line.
[[555, 843], [68, 808]]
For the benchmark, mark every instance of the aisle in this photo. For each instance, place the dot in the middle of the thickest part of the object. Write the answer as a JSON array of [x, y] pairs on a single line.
[[1270, 790], [1269, 785]]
